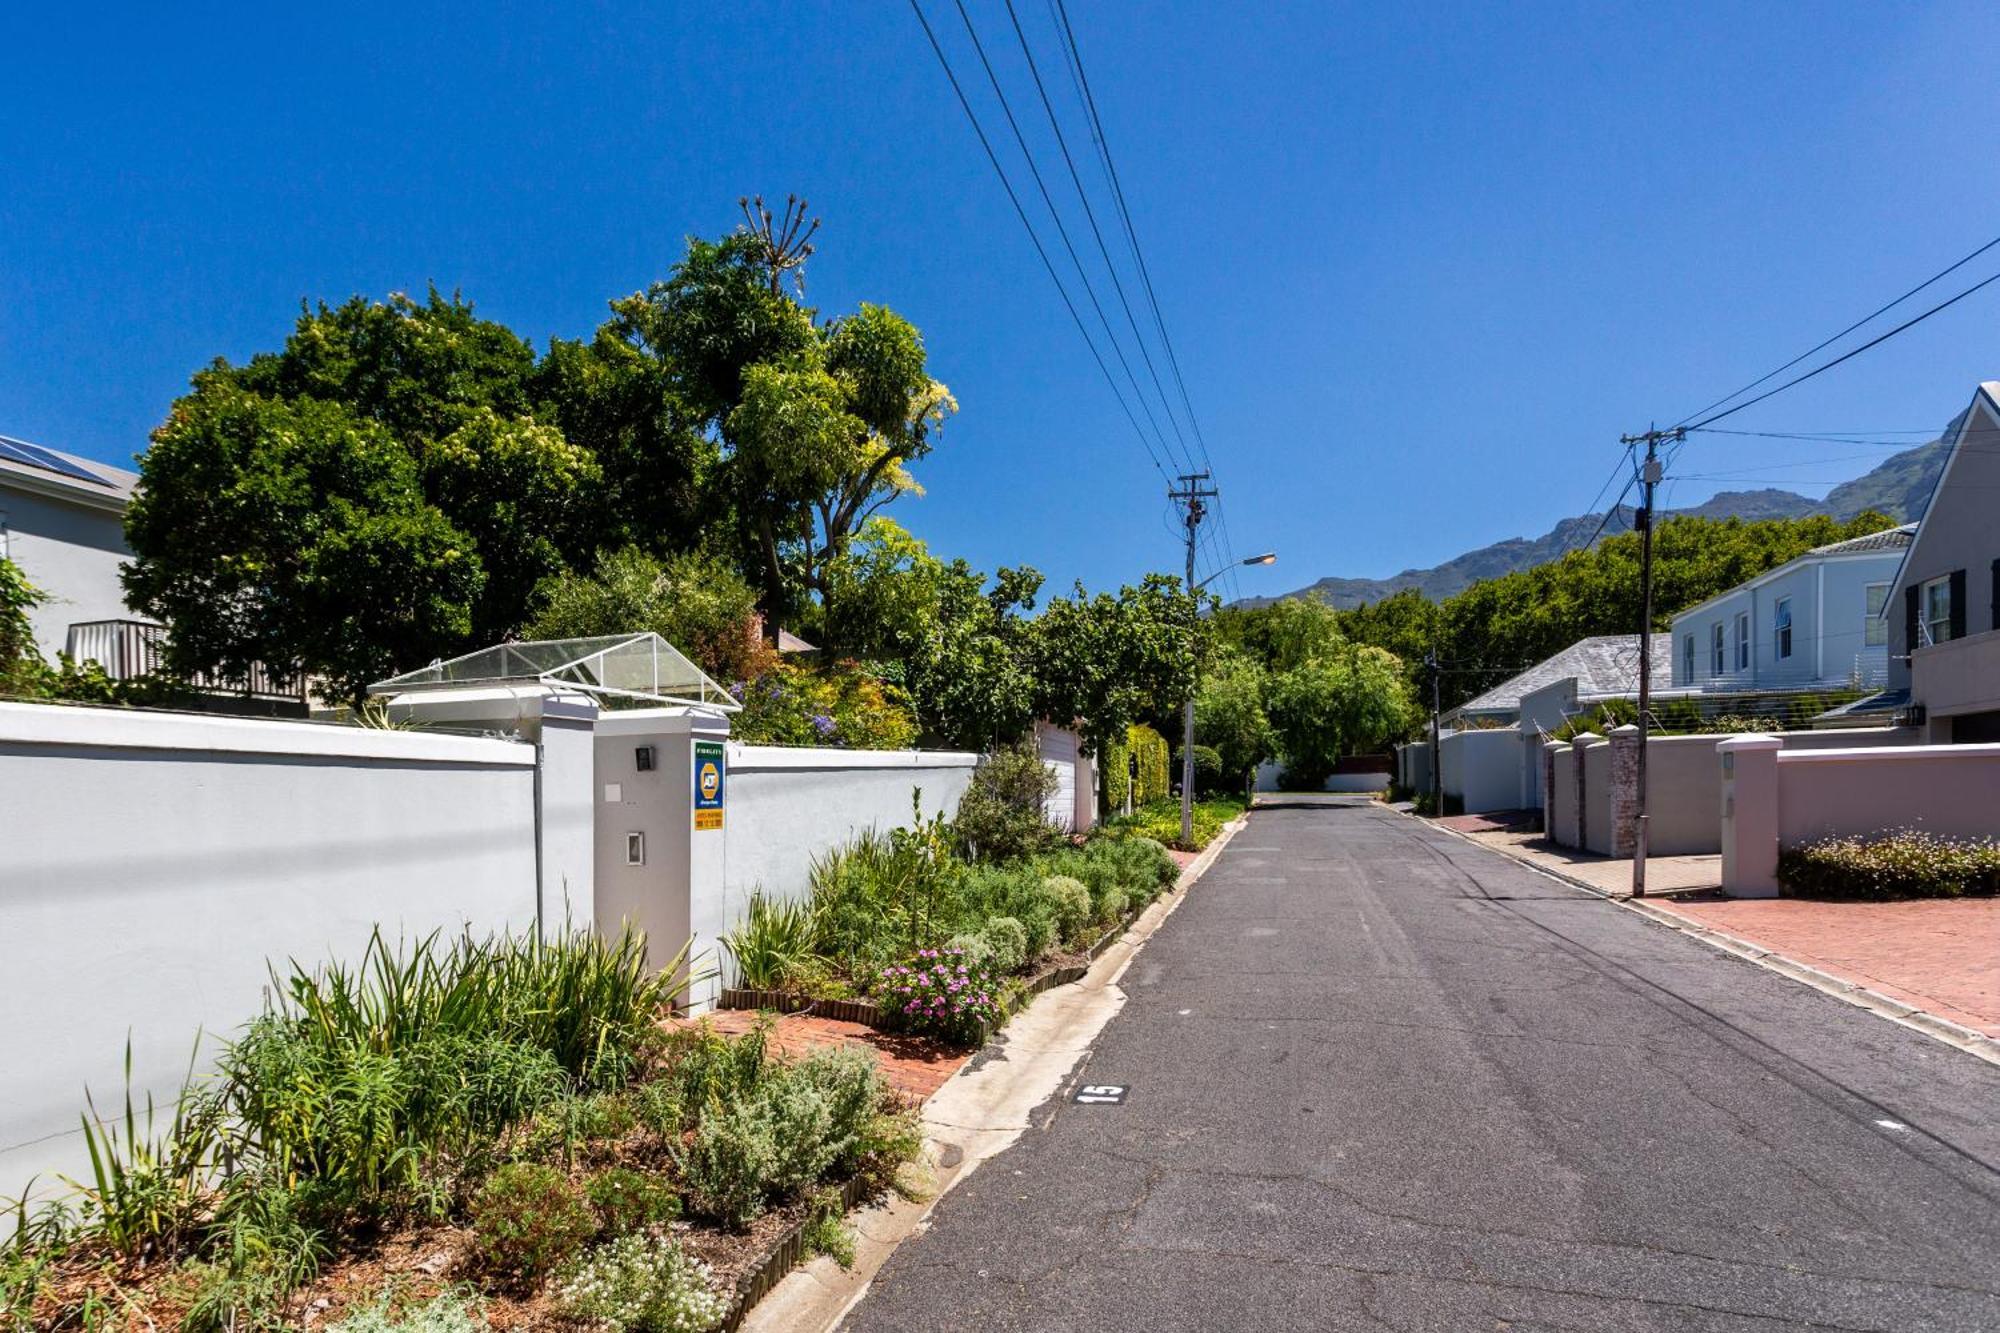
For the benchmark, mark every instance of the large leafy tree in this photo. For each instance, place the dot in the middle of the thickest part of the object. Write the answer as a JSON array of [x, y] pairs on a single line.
[[694, 600], [1350, 700], [415, 422], [293, 533], [1229, 714], [1106, 662], [817, 424], [966, 668]]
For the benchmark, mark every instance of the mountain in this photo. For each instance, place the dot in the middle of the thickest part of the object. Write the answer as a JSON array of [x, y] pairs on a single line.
[[1899, 487]]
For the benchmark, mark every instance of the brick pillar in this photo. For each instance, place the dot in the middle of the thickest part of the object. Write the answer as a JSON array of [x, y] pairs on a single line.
[[1577, 747], [1624, 790]]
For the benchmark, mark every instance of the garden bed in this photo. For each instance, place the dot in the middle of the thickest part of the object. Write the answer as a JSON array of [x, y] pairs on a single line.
[[435, 1141]]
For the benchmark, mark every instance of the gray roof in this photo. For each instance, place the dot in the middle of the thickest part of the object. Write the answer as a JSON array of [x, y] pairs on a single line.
[[82, 477], [1604, 665], [1888, 539]]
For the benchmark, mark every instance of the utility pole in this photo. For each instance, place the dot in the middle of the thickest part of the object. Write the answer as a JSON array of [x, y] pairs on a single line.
[[1649, 478], [1193, 491], [1437, 753]]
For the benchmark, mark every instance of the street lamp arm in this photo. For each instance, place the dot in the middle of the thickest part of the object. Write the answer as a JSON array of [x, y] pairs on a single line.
[[1268, 558]]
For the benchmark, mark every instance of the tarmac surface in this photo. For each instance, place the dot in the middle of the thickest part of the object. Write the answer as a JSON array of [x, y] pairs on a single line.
[[1375, 1077]]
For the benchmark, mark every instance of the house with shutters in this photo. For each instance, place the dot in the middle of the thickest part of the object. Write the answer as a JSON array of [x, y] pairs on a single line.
[[1811, 623], [1944, 601]]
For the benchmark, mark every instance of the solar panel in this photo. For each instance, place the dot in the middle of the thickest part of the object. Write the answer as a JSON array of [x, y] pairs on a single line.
[[20, 451]]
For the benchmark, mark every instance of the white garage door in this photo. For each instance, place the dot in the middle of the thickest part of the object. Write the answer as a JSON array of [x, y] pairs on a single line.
[[1058, 751]]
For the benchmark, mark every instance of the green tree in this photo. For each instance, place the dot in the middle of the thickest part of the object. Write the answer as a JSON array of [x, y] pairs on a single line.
[[1353, 700], [1107, 662], [21, 665], [296, 534], [817, 424], [1229, 715], [966, 669], [695, 601]]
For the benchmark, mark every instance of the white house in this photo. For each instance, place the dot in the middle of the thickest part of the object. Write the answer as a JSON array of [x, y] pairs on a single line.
[[1943, 620], [1813, 621], [62, 520]]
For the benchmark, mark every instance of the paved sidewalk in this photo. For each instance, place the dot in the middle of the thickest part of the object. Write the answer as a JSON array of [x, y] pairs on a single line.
[[1941, 955], [1608, 874]]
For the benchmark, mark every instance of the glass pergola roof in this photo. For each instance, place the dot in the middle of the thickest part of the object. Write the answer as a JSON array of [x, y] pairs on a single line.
[[643, 667]]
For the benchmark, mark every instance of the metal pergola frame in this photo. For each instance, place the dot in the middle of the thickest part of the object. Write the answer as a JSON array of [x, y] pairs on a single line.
[[586, 665]]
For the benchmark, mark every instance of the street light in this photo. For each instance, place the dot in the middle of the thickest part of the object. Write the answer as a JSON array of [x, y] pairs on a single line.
[[1187, 715]]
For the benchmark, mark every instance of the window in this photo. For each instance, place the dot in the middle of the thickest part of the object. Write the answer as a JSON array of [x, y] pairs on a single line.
[[1937, 611], [635, 849], [1716, 664], [1781, 624], [1875, 630], [1743, 641], [1687, 658]]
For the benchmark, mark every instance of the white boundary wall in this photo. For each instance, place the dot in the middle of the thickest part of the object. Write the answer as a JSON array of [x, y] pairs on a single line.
[[153, 865], [1482, 767]]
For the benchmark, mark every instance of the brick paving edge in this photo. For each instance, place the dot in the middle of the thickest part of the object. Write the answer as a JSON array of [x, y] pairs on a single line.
[[1970, 1040]]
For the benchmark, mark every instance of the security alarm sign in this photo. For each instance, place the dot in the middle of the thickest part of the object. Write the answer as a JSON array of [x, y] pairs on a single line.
[[709, 774]]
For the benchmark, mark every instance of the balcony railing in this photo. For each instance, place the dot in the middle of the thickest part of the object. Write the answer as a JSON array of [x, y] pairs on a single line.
[[1866, 671], [131, 650]]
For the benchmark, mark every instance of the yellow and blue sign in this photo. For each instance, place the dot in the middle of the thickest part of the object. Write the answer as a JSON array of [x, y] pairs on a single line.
[[710, 774]]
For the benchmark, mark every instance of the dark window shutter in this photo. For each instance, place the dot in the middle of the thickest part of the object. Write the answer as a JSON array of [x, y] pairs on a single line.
[[1910, 639], [1957, 603], [1996, 595]]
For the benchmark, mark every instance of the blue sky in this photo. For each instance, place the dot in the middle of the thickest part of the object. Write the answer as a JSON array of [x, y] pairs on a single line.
[[1422, 264]]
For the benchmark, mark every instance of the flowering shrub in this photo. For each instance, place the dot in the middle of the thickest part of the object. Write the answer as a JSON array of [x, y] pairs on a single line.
[[940, 993], [643, 1284], [840, 706], [1904, 864]]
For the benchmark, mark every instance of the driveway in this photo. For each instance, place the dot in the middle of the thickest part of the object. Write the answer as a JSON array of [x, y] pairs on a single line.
[[1377, 1078]]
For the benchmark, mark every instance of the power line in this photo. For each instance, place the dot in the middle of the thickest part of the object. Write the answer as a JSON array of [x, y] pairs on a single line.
[[1022, 213], [1090, 214], [1062, 231], [1881, 310], [1081, 78], [1846, 356]]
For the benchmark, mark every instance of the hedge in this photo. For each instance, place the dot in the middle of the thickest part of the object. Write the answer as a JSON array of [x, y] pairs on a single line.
[[1155, 783], [1908, 863]]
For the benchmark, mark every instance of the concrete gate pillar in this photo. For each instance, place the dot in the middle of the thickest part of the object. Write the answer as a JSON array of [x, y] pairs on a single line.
[[1750, 815]]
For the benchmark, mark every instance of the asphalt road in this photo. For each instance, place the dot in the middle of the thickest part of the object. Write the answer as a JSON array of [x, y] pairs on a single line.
[[1382, 1079]]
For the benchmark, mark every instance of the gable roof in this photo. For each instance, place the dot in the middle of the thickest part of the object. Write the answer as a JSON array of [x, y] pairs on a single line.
[[1986, 402], [1874, 543], [1888, 539], [37, 467], [1603, 665]]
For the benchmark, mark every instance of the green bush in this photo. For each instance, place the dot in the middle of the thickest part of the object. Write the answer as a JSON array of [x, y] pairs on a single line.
[[449, 1313], [1012, 891], [1154, 780], [1161, 821], [973, 946], [774, 941], [1904, 864], [728, 1164], [527, 1221], [1006, 944], [1070, 899], [643, 1284], [1111, 907], [854, 1092], [1208, 779], [627, 1200], [1002, 815]]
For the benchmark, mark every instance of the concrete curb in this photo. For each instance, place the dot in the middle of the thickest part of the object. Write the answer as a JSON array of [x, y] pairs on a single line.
[[1969, 1040], [979, 1112]]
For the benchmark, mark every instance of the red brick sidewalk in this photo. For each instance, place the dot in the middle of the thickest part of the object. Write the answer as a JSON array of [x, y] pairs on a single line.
[[1940, 954], [914, 1066]]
